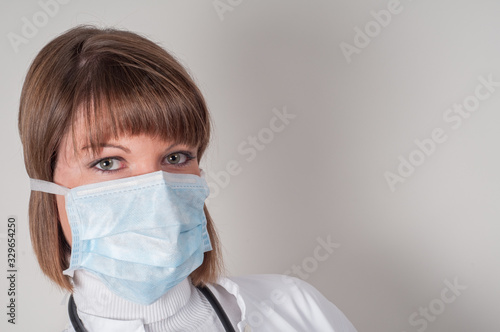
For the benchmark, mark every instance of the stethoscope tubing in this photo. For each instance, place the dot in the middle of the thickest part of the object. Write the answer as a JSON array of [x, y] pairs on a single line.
[[217, 307], [226, 323]]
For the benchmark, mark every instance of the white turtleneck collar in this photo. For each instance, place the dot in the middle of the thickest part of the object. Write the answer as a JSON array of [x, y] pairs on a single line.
[[182, 308]]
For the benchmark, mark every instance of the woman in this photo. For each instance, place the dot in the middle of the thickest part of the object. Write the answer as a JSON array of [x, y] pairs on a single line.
[[113, 129]]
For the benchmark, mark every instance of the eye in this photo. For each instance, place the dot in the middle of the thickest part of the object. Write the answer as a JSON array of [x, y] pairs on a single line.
[[176, 158], [108, 164]]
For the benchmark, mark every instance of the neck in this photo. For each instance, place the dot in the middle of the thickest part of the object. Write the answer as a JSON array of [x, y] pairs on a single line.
[[180, 306]]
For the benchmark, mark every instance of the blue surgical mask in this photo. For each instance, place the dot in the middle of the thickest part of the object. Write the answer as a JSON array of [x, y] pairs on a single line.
[[140, 235]]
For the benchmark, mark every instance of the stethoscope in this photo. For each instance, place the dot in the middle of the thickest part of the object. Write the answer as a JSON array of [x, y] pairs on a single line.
[[79, 327]]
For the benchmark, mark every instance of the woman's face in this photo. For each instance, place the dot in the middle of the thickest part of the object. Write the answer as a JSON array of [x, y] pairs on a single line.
[[119, 158]]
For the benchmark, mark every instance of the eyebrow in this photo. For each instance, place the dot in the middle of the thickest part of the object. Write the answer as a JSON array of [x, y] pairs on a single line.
[[107, 145]]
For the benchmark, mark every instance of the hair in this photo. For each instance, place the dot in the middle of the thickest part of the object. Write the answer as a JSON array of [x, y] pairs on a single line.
[[119, 83]]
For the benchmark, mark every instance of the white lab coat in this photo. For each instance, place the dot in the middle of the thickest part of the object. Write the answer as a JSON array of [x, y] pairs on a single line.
[[264, 303]]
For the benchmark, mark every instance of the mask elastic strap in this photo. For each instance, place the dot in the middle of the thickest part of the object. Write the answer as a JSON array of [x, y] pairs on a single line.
[[48, 187]]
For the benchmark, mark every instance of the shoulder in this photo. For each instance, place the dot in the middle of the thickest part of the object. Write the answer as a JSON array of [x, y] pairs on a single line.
[[286, 303]]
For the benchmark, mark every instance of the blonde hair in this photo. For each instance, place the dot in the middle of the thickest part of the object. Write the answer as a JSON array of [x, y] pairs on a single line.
[[119, 83]]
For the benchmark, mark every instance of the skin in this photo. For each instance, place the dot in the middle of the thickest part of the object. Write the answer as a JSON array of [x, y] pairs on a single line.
[[123, 157]]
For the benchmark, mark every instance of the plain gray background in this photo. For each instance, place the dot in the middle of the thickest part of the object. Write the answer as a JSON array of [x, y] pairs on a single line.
[[321, 175]]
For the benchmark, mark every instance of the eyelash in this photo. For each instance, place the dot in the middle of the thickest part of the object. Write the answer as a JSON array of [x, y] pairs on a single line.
[[187, 154]]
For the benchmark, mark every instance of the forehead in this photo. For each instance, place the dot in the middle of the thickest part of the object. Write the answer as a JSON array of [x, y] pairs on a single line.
[[91, 128], [78, 140]]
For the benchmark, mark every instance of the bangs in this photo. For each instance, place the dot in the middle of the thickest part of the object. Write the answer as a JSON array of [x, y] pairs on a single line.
[[128, 93]]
